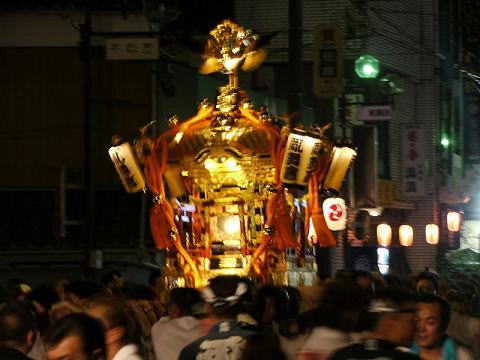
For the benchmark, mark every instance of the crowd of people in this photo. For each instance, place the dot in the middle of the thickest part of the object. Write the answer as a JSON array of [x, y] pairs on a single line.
[[355, 315]]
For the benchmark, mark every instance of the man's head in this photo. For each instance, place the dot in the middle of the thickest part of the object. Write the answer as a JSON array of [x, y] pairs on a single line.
[[182, 301], [112, 279], [270, 304], [76, 337], [433, 316], [155, 279], [225, 294], [78, 291], [365, 281], [426, 283], [17, 327], [117, 320], [392, 315]]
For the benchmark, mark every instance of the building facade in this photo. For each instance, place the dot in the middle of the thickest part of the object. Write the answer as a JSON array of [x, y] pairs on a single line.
[[409, 41]]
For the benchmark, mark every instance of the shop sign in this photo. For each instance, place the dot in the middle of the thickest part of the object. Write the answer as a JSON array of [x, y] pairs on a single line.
[[132, 49], [374, 113], [328, 61], [413, 161]]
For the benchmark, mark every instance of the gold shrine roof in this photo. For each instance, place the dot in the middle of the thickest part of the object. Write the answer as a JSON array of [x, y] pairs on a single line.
[[247, 140]]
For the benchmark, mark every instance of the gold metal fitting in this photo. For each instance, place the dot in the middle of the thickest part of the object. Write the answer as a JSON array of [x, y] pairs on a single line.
[[268, 229], [266, 119], [247, 104], [271, 188], [231, 48], [204, 103], [173, 121], [158, 199], [173, 233], [227, 99]]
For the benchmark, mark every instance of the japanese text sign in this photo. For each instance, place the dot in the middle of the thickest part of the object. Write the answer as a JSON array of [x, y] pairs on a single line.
[[300, 159], [413, 161], [328, 61]]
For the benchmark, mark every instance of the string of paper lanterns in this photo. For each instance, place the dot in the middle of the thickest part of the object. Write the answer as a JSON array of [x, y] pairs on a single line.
[[405, 235], [405, 232], [453, 221]]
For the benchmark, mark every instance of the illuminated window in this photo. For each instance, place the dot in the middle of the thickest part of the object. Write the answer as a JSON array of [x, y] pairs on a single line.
[[383, 261]]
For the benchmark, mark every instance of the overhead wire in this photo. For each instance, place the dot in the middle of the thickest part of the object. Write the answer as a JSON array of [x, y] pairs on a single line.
[[393, 35], [377, 11], [362, 11]]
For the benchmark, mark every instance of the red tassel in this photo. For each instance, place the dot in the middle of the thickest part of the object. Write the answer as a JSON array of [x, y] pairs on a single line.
[[159, 227], [324, 235], [284, 233]]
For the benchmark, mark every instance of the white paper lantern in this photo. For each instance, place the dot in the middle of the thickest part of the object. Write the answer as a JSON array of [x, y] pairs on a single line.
[[384, 235], [300, 159], [431, 234], [341, 160], [453, 221], [405, 235], [126, 164], [335, 213]]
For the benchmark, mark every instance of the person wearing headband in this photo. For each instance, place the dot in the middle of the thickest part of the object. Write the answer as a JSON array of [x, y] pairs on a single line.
[[391, 316], [227, 337]]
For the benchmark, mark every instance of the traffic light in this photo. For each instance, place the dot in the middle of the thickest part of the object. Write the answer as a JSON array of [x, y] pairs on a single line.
[[367, 67], [445, 142]]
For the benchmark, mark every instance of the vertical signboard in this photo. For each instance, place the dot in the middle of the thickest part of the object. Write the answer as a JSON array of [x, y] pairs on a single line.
[[328, 61], [413, 161]]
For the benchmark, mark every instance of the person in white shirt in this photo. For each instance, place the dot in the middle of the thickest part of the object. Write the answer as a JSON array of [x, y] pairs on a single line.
[[121, 331], [173, 332], [336, 317]]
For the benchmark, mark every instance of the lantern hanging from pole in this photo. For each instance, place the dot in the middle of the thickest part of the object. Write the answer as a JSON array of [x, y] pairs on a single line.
[[341, 160], [335, 213], [300, 157], [126, 164], [384, 235], [453, 221], [431, 234], [405, 235]]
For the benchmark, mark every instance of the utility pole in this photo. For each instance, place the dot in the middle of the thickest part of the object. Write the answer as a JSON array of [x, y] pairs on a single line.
[[86, 35], [295, 56]]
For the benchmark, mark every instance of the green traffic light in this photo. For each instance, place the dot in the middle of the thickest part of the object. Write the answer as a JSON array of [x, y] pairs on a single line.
[[367, 67], [445, 142]]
